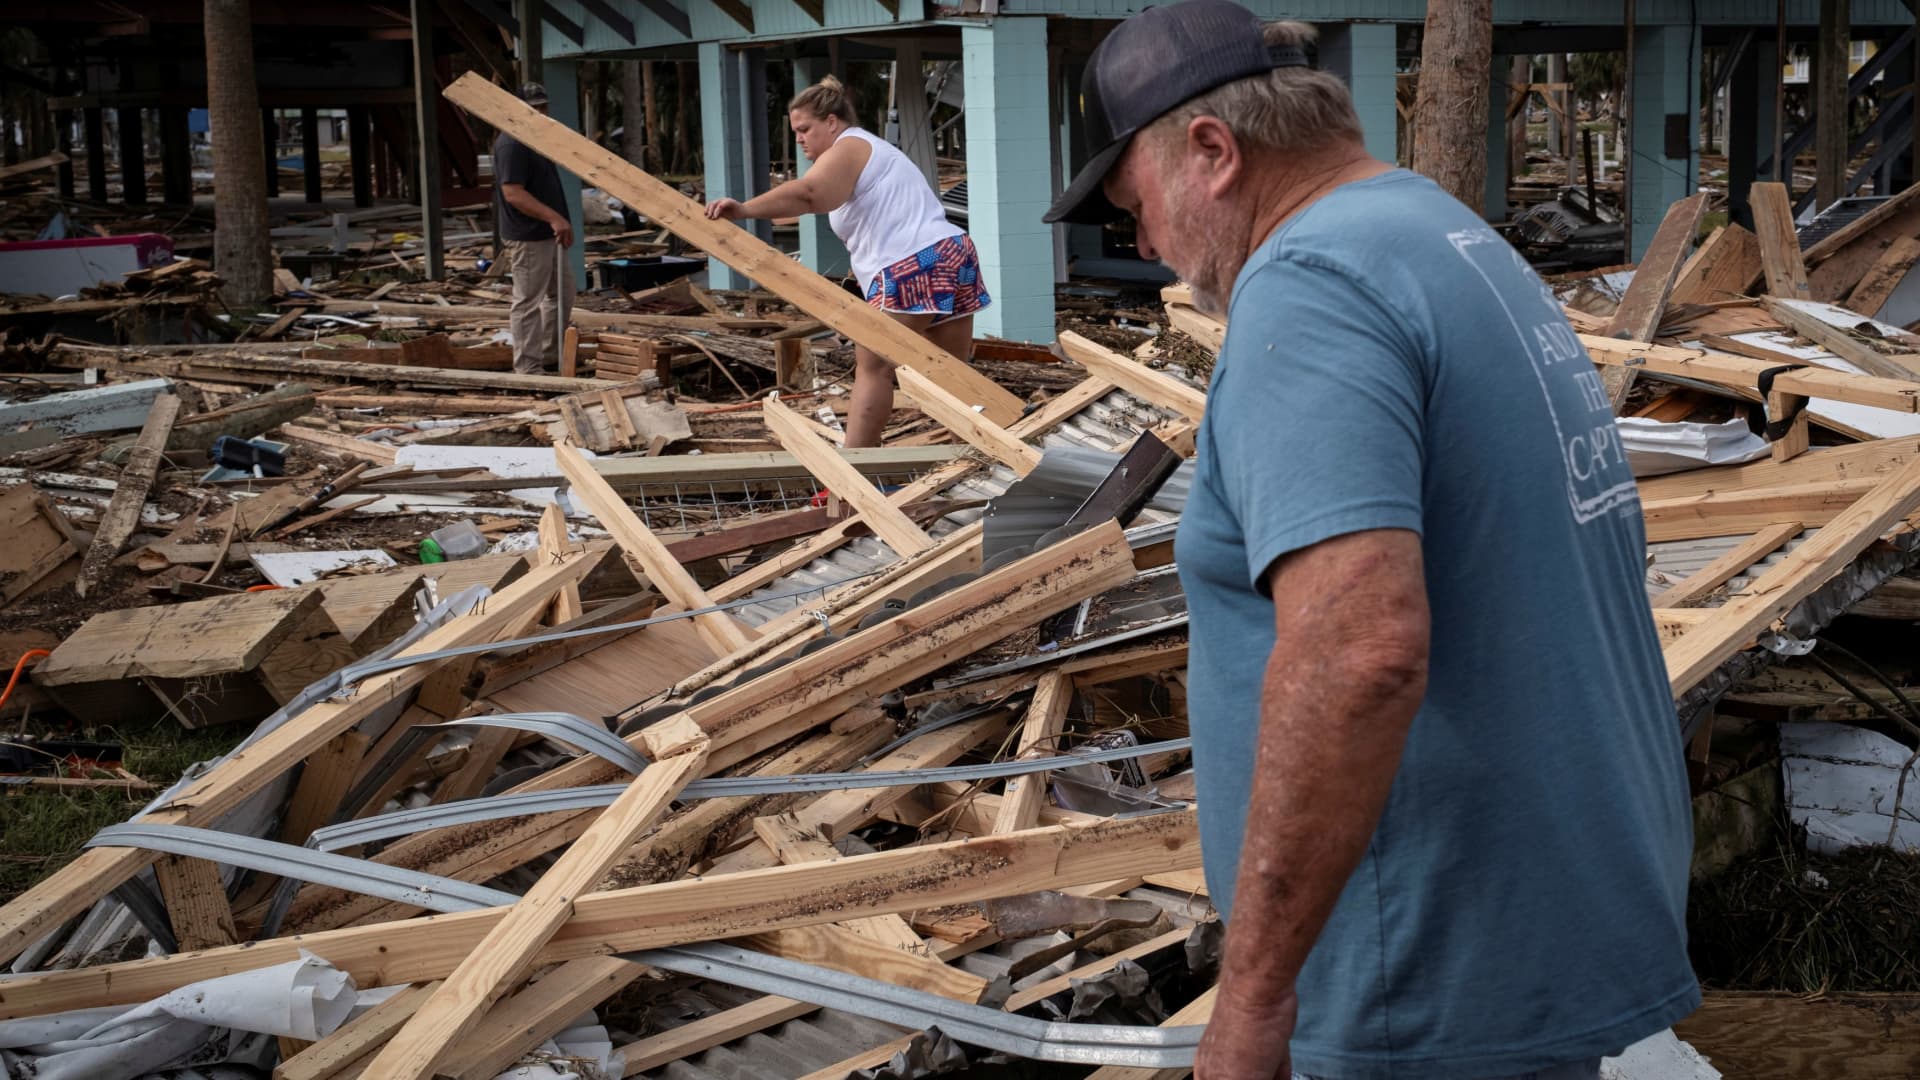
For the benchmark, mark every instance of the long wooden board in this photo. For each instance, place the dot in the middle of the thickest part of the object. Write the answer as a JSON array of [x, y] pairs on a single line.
[[1701, 583], [1638, 316], [1136, 378], [130, 496], [888, 522], [672, 913], [1780, 259], [732, 245], [1725, 369]]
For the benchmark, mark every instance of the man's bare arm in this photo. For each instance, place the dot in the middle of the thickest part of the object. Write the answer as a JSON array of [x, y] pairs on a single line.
[[1347, 673]]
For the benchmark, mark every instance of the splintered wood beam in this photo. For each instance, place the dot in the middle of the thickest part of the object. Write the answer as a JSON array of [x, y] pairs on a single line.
[[1840, 343], [1136, 378], [1743, 373], [1745, 511], [554, 546], [1780, 260], [670, 913], [975, 430], [537, 1013], [354, 1039], [196, 902], [1701, 583], [890, 523], [122, 515], [732, 245], [793, 843], [329, 772], [507, 953], [1638, 316], [1884, 276], [1804, 569], [1201, 327], [1722, 268], [1046, 719], [665, 572], [98, 871]]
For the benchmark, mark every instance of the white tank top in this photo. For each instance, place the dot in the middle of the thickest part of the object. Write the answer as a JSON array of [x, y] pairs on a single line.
[[893, 213]]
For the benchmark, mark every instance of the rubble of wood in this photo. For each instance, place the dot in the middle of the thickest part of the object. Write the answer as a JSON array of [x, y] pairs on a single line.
[[568, 744]]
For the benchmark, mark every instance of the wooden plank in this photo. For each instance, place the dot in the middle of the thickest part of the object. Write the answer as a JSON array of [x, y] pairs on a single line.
[[1640, 311], [122, 515], [841, 949], [1794, 442], [1701, 583], [1792, 579], [537, 1013], [354, 1039], [1205, 329], [39, 540], [508, 951], [196, 902], [1045, 720], [278, 367], [1745, 511], [1834, 1036], [1136, 378], [324, 781], [1780, 259], [1841, 343], [1884, 276], [75, 887], [224, 635], [362, 449], [977, 431], [734, 246], [675, 912], [717, 627], [717, 1029], [887, 521], [792, 842], [1821, 465], [1195, 1012], [1721, 369], [554, 547], [1722, 268]]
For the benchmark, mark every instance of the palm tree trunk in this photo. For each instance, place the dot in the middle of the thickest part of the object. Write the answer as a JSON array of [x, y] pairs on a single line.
[[241, 253], [633, 144], [653, 116], [1450, 110]]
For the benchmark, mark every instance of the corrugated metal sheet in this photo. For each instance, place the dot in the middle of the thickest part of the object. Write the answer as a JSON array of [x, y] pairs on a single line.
[[1675, 560]]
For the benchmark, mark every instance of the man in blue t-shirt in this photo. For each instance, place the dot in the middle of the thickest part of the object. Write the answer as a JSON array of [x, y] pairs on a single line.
[[1440, 780]]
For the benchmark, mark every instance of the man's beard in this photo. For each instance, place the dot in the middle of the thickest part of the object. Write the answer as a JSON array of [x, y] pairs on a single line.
[[1218, 255]]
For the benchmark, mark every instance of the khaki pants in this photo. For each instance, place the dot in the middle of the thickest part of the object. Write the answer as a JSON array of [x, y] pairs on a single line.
[[539, 310]]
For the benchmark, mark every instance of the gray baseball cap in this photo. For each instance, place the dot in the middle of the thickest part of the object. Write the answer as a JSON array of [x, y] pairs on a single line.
[[1148, 66], [533, 94]]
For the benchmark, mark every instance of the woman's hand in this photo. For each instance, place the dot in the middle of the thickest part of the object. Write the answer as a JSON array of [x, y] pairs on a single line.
[[725, 210]]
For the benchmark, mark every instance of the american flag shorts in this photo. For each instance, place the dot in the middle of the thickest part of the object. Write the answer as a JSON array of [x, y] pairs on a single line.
[[942, 279]]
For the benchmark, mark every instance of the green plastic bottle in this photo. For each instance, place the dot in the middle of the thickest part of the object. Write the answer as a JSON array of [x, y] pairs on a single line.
[[430, 551]]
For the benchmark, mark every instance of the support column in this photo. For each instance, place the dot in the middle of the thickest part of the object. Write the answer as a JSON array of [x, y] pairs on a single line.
[[727, 117], [1495, 208], [310, 151], [63, 142], [1830, 103], [1664, 140], [270, 136], [133, 157], [820, 250], [563, 92], [1364, 55], [95, 128], [1009, 173], [360, 153], [1750, 136], [532, 51], [426, 110], [176, 155]]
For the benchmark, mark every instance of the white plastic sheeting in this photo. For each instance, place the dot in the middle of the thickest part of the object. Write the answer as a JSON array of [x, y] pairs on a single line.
[[1659, 1057], [579, 1053], [228, 1019], [1842, 783], [1655, 448]]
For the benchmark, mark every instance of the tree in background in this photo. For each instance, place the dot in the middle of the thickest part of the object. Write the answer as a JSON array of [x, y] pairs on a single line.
[[1450, 109], [241, 253]]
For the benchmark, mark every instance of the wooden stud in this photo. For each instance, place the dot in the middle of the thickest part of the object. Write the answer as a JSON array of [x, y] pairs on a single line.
[[1794, 442], [974, 429], [793, 843], [1638, 316], [1700, 584], [792, 366], [842, 949], [1721, 369], [122, 515], [1780, 259], [1203, 328], [1046, 719], [1804, 569], [196, 902], [77, 886], [1136, 378], [354, 1039], [324, 781], [570, 353], [510, 947], [555, 547], [732, 245], [652, 916], [887, 521], [717, 627], [537, 1013], [1841, 343]]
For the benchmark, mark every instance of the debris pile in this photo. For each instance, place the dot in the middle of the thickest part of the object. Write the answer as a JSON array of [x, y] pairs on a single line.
[[570, 745]]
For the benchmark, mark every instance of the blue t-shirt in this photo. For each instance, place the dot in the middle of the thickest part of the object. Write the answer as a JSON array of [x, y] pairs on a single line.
[[1391, 363]]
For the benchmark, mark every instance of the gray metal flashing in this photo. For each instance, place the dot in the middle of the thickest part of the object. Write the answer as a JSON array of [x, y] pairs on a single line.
[[469, 811], [569, 728]]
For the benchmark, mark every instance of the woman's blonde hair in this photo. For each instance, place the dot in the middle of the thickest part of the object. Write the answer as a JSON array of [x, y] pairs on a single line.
[[828, 97]]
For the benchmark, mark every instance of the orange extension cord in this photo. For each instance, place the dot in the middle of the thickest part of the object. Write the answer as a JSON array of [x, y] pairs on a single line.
[[18, 667]]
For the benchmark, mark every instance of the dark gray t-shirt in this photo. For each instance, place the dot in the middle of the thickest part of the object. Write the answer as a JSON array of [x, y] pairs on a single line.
[[1391, 363], [513, 163]]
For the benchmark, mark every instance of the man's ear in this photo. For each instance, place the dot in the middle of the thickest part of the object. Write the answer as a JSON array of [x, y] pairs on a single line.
[[1212, 142]]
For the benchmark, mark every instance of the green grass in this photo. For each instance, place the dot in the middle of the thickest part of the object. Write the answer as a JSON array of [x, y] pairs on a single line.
[[40, 831]]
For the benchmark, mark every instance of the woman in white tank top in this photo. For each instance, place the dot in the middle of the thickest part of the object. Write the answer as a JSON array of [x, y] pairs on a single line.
[[911, 262]]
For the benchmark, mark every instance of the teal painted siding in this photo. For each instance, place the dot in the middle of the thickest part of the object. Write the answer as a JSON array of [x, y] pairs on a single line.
[[563, 86], [1010, 173], [1666, 67]]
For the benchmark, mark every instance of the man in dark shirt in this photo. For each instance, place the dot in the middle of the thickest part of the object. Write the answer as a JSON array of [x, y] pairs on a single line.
[[531, 208]]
